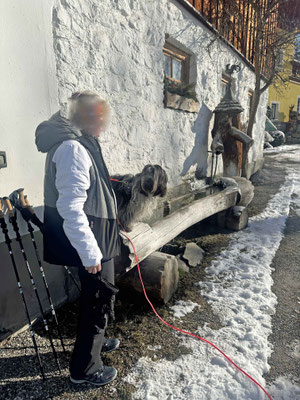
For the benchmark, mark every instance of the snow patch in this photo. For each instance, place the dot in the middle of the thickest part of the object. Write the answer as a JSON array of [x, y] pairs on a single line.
[[282, 149], [284, 389], [154, 348], [181, 308]]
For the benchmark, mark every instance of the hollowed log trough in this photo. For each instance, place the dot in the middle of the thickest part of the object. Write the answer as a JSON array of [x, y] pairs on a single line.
[[147, 238]]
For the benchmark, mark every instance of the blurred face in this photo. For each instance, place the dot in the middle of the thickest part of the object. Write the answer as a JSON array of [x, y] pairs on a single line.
[[97, 119]]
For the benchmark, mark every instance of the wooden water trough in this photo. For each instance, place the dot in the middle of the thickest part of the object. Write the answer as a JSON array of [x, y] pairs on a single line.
[[190, 208]]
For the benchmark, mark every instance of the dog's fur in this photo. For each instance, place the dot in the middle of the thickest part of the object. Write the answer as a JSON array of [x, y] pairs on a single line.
[[135, 193]]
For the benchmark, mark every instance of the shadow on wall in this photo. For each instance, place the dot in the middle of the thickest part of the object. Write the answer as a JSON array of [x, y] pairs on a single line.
[[198, 154]]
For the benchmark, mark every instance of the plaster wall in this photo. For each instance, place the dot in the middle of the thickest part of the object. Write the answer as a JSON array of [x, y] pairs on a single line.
[[286, 94], [287, 97], [28, 96], [115, 47], [29, 92]]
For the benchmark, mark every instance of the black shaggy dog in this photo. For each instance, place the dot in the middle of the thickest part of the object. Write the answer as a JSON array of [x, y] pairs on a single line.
[[135, 193]]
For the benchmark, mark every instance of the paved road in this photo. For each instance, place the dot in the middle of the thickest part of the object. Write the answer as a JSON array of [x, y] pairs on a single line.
[[285, 359]]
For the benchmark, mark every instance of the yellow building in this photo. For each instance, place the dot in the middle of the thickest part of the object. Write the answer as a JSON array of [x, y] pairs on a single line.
[[282, 98]]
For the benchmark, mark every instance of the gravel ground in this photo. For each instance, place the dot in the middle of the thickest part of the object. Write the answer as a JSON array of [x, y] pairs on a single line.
[[140, 331]]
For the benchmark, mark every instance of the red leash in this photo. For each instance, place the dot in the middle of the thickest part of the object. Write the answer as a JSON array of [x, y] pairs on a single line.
[[183, 331]]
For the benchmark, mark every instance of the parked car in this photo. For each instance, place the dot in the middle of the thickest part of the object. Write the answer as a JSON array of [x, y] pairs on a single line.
[[273, 137]]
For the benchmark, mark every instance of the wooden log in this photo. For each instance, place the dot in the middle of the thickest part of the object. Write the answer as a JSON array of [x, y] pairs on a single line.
[[160, 276], [237, 218], [246, 189], [147, 239]]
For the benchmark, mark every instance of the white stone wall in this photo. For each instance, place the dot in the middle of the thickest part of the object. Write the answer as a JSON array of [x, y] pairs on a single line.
[[28, 93], [28, 96], [50, 49], [115, 47]]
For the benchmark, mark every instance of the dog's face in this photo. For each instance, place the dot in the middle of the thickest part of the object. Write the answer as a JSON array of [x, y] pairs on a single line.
[[154, 180]]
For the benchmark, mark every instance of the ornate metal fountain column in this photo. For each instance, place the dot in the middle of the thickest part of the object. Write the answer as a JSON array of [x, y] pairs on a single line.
[[228, 139]]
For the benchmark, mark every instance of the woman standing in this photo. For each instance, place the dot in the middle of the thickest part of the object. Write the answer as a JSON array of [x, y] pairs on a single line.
[[80, 223]]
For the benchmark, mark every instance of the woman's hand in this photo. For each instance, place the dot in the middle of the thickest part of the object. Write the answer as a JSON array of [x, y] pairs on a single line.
[[94, 269]]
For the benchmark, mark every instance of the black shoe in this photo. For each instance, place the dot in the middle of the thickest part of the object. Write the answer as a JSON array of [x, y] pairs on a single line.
[[110, 345], [99, 378]]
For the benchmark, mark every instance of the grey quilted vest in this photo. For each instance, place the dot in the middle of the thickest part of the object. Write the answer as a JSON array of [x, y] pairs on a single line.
[[100, 206]]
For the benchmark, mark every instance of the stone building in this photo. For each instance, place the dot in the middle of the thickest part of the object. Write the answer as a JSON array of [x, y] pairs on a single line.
[[123, 49]]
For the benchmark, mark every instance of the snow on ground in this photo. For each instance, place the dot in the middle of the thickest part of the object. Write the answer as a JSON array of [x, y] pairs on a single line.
[[238, 287], [281, 149], [283, 389], [181, 308]]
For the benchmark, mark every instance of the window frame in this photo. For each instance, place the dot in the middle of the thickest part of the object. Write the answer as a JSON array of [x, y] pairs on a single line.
[[298, 105], [277, 103], [179, 55]]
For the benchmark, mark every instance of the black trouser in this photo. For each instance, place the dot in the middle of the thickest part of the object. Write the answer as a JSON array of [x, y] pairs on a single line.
[[92, 322]]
